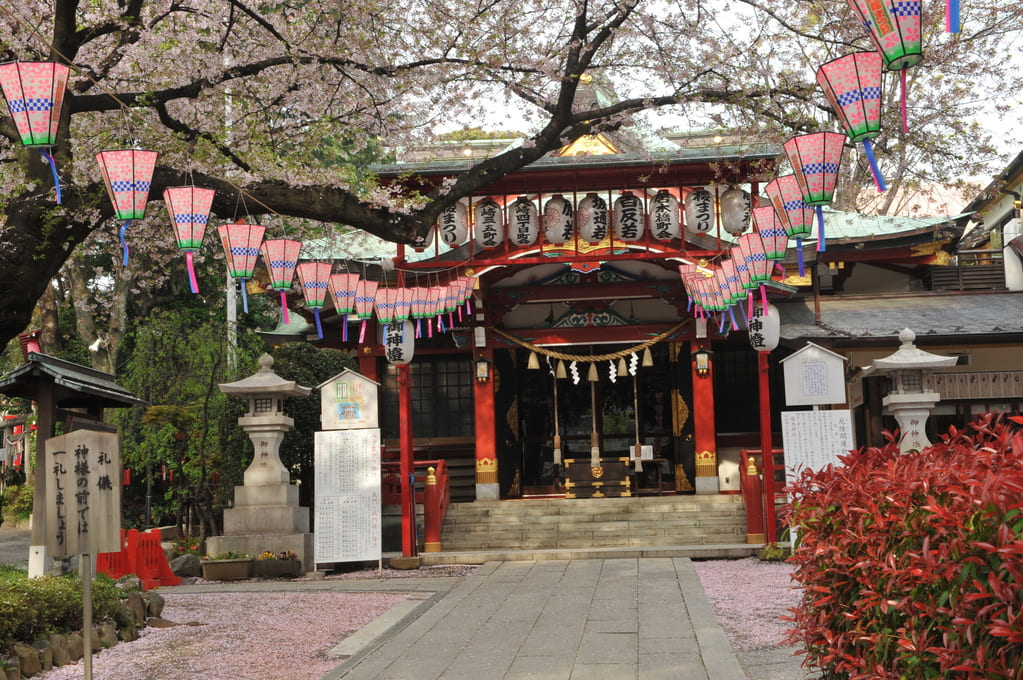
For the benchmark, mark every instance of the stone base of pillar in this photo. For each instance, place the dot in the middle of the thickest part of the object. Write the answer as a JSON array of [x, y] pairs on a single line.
[[488, 492], [706, 485]]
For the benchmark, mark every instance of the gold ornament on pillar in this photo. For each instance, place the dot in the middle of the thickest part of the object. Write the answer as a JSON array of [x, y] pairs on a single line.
[[706, 464]]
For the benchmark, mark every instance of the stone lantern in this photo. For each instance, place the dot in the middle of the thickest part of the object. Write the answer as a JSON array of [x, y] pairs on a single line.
[[266, 514], [908, 401]]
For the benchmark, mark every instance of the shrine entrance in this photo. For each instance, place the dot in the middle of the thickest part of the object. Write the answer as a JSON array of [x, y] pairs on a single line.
[[606, 411]]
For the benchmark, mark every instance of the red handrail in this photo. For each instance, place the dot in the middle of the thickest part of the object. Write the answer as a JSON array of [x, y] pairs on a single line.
[[435, 496]]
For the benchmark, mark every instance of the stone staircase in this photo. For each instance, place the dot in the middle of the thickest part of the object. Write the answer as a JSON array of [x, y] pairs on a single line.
[[711, 526]]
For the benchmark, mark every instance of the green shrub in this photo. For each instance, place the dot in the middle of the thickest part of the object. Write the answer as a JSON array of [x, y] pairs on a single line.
[[17, 502], [912, 564]]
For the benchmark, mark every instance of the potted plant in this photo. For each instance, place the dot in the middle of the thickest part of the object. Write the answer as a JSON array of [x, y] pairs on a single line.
[[229, 566], [282, 564]]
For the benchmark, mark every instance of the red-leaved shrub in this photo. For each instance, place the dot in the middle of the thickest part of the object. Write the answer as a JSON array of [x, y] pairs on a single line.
[[912, 564]]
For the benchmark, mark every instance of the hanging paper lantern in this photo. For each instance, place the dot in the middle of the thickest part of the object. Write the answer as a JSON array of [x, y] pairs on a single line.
[[754, 254], [314, 277], [241, 248], [342, 289], [736, 205], [591, 218], [772, 232], [280, 256], [385, 301], [420, 307], [34, 91], [665, 223], [435, 308], [189, 209], [699, 212], [453, 225], [792, 211], [628, 217], [128, 174], [365, 300], [403, 304], [557, 220], [524, 226], [852, 85], [815, 160], [489, 223], [894, 28], [398, 341]]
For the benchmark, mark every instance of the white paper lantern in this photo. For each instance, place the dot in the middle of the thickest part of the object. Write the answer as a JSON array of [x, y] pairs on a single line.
[[523, 226], [699, 212], [557, 220], [665, 223], [399, 341], [628, 217], [489, 220], [453, 225], [591, 219], [736, 207]]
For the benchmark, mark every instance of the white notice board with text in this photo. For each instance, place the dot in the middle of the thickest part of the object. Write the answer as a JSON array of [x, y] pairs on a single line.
[[813, 439], [347, 506]]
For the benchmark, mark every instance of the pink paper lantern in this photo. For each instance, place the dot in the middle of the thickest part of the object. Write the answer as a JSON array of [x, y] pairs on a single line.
[[816, 159], [384, 302], [189, 209], [342, 289], [241, 248], [314, 278], [754, 254], [365, 300], [787, 198], [128, 174], [34, 91], [280, 257], [852, 85], [772, 231]]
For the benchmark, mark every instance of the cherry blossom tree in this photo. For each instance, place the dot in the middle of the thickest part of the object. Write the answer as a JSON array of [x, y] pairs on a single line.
[[238, 96]]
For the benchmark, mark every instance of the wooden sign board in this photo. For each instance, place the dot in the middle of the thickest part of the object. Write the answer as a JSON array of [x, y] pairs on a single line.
[[349, 401], [83, 493]]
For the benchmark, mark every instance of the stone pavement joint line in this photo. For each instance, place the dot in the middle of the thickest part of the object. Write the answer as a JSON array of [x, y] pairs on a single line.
[[557, 620]]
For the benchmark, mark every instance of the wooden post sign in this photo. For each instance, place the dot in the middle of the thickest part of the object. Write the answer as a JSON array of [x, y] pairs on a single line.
[[83, 493]]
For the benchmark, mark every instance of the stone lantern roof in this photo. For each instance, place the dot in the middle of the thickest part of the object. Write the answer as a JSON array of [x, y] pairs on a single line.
[[264, 382], [911, 357]]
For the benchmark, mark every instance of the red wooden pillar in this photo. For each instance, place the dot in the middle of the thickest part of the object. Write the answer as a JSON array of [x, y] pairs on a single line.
[[487, 486], [406, 462], [703, 423], [766, 445]]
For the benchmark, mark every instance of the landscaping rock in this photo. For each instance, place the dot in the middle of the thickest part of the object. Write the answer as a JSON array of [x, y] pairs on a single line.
[[130, 584], [186, 565], [107, 634], [10, 670], [135, 603], [28, 659], [75, 646], [128, 633], [61, 653], [154, 603]]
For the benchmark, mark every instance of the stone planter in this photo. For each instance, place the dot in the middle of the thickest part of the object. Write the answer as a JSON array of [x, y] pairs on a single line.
[[227, 570], [277, 568]]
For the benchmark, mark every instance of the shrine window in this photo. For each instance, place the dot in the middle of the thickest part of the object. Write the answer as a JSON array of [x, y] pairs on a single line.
[[442, 398]]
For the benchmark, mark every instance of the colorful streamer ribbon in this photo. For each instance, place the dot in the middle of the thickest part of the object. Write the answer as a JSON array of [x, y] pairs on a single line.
[[284, 307], [868, 149], [952, 16], [799, 257], [48, 157], [821, 245], [124, 243], [344, 328], [193, 282]]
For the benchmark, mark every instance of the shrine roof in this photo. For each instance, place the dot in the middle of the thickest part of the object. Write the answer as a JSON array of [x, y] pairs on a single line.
[[79, 386]]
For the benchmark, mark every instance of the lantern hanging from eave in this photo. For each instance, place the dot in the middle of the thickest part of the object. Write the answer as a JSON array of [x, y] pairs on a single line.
[[34, 91], [403, 304], [772, 231], [385, 301], [342, 289], [754, 253], [241, 248], [734, 291], [665, 224], [699, 212], [398, 341], [452, 301], [524, 224], [468, 284], [591, 219], [189, 209], [557, 220], [314, 277], [128, 174], [816, 159], [736, 205], [852, 85], [894, 28], [420, 307], [627, 217], [434, 308], [792, 211], [688, 273], [453, 225], [488, 223], [280, 257], [365, 300]]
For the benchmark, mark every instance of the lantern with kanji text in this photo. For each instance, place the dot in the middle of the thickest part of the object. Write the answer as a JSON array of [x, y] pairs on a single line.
[[557, 220], [628, 217], [488, 227], [699, 212], [665, 223]]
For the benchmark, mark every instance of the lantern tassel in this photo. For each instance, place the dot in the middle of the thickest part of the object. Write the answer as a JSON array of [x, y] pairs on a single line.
[[721, 326], [459, 313], [284, 308], [48, 157], [419, 328], [440, 323], [344, 328], [319, 328], [874, 169], [245, 296], [902, 98], [799, 257], [451, 320], [952, 16], [821, 245], [763, 298], [429, 327], [124, 243], [193, 282], [362, 332], [749, 304], [468, 306], [731, 313]]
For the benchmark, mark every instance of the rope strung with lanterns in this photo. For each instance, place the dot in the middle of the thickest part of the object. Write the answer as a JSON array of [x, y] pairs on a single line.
[[586, 358]]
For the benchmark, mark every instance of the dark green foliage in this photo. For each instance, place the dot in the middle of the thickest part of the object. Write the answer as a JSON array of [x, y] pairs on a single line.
[[17, 502], [912, 564]]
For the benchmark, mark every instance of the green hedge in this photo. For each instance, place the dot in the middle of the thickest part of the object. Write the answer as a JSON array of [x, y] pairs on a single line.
[[912, 564]]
